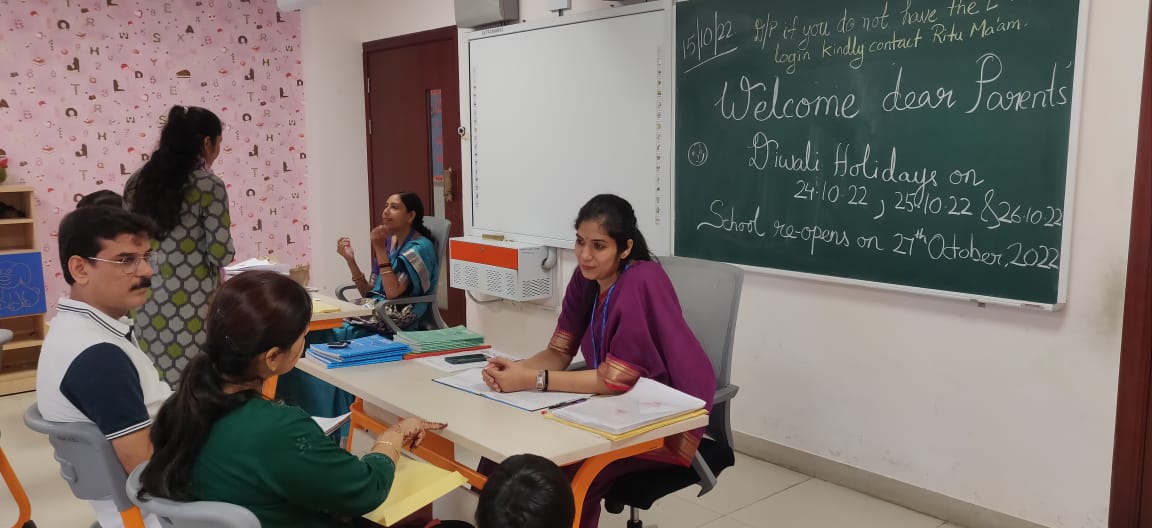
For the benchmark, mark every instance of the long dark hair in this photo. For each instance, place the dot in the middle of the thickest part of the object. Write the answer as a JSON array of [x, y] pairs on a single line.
[[251, 313], [412, 203], [618, 219], [159, 189], [526, 491]]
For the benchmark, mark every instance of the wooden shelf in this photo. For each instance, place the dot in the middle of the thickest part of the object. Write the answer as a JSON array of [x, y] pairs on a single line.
[[18, 378], [19, 357], [18, 344]]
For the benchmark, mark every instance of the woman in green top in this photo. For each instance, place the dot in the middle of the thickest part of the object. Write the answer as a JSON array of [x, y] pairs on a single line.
[[217, 439]]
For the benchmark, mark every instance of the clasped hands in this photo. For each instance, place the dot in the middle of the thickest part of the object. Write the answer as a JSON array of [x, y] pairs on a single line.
[[505, 375]]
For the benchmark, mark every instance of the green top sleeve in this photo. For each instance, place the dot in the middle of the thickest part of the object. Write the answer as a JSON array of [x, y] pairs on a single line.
[[315, 472]]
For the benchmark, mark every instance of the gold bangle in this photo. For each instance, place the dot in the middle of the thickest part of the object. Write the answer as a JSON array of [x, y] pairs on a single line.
[[358, 278], [386, 271], [395, 450]]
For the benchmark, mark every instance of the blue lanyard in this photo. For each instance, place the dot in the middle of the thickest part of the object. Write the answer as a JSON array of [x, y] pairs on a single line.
[[603, 324]]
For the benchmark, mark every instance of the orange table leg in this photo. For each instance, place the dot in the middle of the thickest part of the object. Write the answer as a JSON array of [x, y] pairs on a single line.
[[132, 518], [22, 503], [592, 467]]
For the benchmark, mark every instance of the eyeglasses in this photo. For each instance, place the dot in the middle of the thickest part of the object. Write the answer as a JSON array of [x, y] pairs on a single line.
[[130, 264]]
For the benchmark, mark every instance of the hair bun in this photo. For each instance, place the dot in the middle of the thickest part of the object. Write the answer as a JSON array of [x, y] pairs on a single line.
[[176, 113]]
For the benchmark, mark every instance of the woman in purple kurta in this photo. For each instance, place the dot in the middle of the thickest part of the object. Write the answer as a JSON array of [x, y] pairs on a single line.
[[621, 312]]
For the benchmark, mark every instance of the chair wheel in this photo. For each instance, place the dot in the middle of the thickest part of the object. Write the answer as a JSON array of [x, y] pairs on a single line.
[[29, 524], [635, 524]]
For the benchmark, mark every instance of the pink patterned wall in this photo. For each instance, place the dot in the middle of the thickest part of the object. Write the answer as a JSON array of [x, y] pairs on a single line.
[[84, 85]]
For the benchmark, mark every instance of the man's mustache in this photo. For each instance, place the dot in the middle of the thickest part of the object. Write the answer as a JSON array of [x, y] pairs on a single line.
[[144, 283]]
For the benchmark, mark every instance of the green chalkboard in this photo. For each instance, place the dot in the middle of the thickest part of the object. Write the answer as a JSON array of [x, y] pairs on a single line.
[[919, 144]]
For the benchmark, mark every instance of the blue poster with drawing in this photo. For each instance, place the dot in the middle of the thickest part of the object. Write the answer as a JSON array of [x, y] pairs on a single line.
[[21, 284]]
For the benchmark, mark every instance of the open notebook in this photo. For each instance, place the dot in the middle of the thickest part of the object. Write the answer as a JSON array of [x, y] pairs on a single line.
[[416, 485], [330, 425], [471, 380]]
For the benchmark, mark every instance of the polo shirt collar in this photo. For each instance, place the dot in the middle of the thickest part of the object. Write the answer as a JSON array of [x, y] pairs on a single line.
[[121, 327]]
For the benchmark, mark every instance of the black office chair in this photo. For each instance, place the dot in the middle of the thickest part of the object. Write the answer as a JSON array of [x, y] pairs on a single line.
[[709, 294]]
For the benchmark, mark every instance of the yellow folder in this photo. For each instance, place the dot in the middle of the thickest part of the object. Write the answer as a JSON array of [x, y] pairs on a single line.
[[319, 306], [416, 485], [635, 432]]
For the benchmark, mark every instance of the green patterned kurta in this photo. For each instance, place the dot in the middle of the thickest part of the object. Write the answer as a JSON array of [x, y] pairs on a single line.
[[171, 323]]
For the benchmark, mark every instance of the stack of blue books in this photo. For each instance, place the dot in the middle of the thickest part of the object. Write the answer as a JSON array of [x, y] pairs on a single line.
[[363, 351]]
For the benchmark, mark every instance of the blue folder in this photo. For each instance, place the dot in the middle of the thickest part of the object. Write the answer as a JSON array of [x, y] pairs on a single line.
[[372, 345]]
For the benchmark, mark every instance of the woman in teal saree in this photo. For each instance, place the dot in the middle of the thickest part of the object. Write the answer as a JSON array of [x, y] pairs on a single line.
[[404, 264]]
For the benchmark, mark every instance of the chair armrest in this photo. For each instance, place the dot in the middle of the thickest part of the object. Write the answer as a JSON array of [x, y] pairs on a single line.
[[407, 300], [340, 292], [707, 479], [725, 393]]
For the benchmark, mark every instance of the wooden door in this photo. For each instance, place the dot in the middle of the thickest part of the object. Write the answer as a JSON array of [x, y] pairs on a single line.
[[412, 98], [1131, 503]]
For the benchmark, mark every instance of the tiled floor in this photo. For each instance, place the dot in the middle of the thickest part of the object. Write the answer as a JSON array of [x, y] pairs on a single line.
[[752, 494]]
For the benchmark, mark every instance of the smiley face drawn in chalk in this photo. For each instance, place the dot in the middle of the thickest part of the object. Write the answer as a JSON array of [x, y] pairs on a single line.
[[698, 154]]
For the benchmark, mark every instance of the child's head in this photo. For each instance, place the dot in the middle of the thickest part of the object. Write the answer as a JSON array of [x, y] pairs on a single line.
[[526, 491]]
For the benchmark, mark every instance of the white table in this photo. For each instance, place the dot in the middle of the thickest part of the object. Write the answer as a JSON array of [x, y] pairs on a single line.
[[486, 427]]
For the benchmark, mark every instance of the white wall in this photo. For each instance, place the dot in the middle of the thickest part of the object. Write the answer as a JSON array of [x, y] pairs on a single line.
[[332, 35], [1008, 409], [333, 32]]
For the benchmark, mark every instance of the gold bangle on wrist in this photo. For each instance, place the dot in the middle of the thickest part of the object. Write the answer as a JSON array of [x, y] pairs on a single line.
[[396, 450]]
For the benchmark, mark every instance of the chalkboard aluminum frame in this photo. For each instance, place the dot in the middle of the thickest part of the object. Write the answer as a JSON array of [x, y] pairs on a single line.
[[979, 300]]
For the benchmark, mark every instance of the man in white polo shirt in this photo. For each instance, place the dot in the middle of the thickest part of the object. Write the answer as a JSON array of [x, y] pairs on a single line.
[[90, 368]]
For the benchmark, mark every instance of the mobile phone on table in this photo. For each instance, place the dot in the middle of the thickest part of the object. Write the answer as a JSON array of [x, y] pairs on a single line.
[[466, 358], [338, 344]]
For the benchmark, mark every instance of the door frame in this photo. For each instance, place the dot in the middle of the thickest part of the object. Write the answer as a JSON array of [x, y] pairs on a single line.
[[431, 35], [457, 311], [1132, 453]]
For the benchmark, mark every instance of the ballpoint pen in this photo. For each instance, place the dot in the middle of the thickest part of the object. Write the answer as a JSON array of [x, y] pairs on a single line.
[[561, 405]]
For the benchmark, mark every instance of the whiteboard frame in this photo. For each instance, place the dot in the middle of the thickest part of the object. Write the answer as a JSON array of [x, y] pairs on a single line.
[[667, 173], [1071, 172]]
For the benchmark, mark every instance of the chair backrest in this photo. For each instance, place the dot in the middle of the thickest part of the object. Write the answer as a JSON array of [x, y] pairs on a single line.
[[709, 294], [199, 514], [439, 228], [87, 461]]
